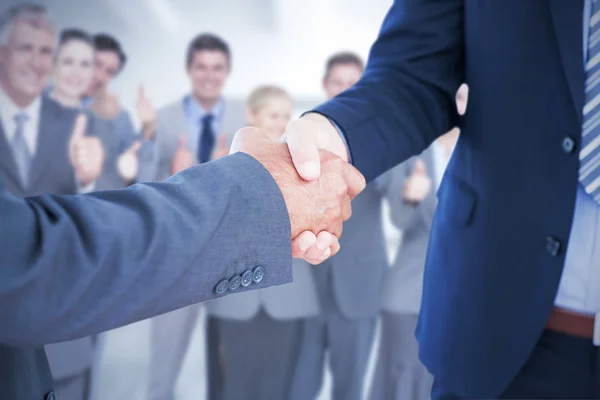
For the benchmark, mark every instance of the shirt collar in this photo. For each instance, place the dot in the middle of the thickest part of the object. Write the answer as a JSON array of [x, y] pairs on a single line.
[[197, 112], [9, 109]]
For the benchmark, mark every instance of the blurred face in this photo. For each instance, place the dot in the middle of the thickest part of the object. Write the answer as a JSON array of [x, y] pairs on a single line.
[[26, 62], [74, 68], [208, 72], [273, 117], [107, 65], [340, 78]]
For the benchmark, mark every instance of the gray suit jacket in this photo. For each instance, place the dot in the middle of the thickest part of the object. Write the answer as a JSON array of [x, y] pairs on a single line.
[[294, 300], [356, 272], [403, 285], [51, 173], [77, 265], [171, 123]]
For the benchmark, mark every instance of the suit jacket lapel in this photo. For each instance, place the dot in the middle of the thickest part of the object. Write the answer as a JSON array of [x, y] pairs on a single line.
[[7, 162], [568, 25], [47, 140]]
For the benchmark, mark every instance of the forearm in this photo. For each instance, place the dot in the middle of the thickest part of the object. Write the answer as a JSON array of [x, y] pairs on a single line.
[[79, 265]]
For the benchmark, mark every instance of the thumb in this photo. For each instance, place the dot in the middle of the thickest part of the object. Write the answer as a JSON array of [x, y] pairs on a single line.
[[135, 147], [182, 144], [420, 168], [222, 141], [141, 93], [79, 127], [304, 149]]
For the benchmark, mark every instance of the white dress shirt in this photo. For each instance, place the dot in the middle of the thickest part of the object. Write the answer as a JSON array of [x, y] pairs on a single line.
[[440, 162], [8, 111]]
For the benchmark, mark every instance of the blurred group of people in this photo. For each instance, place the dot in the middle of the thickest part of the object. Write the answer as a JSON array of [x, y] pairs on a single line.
[[63, 132]]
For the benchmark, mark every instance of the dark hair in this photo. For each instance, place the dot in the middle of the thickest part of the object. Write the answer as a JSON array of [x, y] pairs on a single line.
[[207, 41], [343, 58], [105, 42], [68, 35]]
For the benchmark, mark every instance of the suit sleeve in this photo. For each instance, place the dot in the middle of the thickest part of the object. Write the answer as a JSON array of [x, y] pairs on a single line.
[[73, 266], [405, 98]]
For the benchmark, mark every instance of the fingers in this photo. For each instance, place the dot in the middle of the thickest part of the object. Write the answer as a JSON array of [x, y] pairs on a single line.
[[335, 245], [303, 146], [355, 180], [321, 250], [302, 243]]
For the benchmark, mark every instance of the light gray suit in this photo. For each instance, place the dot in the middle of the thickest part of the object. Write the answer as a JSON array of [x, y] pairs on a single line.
[[399, 374], [71, 361], [171, 333], [350, 294], [259, 336]]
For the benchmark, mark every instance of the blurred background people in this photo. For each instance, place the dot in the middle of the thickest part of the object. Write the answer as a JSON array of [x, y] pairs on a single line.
[[44, 150], [194, 129], [349, 283], [259, 333], [412, 188]]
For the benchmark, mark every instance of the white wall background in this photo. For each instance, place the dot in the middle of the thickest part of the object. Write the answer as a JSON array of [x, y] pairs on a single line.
[[275, 41]]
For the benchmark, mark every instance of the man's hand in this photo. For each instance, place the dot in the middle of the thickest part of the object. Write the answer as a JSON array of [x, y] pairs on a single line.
[[183, 158], [106, 105], [222, 148], [306, 136], [146, 114], [128, 164], [85, 153], [418, 185], [317, 209]]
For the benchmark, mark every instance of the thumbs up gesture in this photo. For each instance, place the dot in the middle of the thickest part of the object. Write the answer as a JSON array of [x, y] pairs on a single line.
[[127, 164], [85, 153], [222, 148], [146, 114], [183, 157], [418, 185]]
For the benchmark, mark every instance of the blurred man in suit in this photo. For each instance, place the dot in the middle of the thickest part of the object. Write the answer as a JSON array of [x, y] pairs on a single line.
[[40, 152], [136, 148], [260, 331], [349, 283], [187, 133], [411, 189]]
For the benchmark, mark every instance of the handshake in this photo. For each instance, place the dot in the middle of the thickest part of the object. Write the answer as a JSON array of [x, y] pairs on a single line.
[[310, 166]]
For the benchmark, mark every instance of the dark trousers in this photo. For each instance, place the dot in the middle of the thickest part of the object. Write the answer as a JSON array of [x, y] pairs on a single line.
[[560, 367]]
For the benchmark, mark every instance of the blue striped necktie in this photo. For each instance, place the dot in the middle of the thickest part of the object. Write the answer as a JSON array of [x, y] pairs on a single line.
[[589, 171]]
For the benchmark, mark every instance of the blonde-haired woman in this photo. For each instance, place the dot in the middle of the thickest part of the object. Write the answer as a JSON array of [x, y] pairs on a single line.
[[259, 331]]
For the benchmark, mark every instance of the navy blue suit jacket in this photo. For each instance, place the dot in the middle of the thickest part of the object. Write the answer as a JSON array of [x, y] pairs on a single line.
[[506, 204]]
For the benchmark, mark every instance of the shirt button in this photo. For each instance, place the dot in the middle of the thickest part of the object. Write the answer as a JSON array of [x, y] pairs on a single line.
[[247, 278], [258, 274], [568, 145], [552, 246], [235, 282], [222, 286]]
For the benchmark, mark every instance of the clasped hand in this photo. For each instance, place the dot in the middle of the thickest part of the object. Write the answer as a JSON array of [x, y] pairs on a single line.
[[311, 169]]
